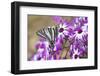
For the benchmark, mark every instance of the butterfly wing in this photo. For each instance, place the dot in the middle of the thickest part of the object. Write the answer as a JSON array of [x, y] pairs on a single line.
[[49, 34]]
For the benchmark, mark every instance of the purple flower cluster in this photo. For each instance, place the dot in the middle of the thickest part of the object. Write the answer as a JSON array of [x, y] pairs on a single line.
[[72, 35]]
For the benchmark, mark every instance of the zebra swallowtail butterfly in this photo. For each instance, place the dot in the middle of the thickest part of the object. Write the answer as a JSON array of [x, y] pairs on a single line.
[[49, 34]]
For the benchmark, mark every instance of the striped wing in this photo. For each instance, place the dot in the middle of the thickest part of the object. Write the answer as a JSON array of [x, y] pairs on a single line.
[[49, 34]]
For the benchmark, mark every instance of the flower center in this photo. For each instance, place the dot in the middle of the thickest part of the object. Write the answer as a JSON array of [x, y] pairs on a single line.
[[61, 29], [76, 56], [39, 58], [80, 31]]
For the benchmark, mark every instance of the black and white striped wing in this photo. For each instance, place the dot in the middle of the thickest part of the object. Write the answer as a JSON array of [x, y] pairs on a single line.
[[49, 34]]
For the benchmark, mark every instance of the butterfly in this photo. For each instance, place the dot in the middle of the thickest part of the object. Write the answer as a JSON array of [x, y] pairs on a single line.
[[50, 34]]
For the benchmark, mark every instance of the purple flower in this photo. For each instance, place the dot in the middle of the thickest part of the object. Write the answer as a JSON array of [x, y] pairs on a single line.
[[78, 48], [80, 32], [81, 21], [58, 45], [58, 20], [42, 48], [76, 54], [62, 30], [78, 27]]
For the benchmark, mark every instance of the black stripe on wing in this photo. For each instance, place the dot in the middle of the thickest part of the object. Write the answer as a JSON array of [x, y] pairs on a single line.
[[49, 34]]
